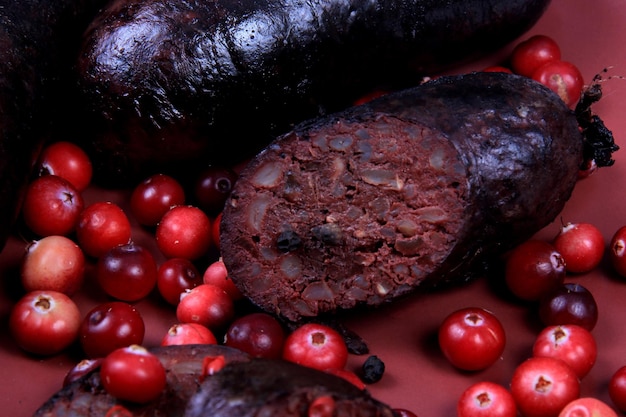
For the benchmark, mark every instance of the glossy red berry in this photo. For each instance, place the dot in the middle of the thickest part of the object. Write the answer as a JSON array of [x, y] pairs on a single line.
[[472, 338], [581, 245], [184, 232], [127, 272], [52, 206], [68, 161], [534, 269], [258, 334], [102, 226], [154, 196]]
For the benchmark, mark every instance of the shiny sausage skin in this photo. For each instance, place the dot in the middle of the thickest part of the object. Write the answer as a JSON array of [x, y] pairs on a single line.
[[413, 190], [170, 82]]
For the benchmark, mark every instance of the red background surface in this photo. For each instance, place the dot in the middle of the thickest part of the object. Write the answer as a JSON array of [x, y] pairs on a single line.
[[592, 34]]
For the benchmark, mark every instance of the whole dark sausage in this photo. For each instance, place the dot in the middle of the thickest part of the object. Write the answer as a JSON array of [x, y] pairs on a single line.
[[170, 82]]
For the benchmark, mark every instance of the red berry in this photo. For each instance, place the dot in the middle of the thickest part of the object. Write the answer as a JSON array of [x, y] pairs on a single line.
[[541, 387], [213, 187], [529, 55], [581, 245], [154, 196], [316, 346], [127, 272], [562, 77], [572, 344], [486, 399], [184, 232], [617, 388], [617, 251], [133, 374], [471, 338], [67, 161], [52, 206], [570, 303], [534, 269], [258, 334], [216, 274], [587, 407], [53, 263], [175, 276], [207, 305], [44, 322], [110, 326], [102, 226], [188, 334]]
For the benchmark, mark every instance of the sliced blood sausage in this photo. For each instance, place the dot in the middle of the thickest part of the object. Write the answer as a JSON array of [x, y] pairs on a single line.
[[414, 189]]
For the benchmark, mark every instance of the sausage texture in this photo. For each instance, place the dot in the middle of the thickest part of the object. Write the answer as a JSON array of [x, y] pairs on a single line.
[[38, 47], [412, 190], [173, 81]]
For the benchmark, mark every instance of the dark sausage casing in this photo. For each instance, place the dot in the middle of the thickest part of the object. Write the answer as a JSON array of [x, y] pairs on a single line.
[[173, 81], [411, 190]]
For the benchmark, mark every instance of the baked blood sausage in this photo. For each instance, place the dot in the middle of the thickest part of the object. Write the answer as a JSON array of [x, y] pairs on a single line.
[[415, 189], [86, 397], [169, 82], [265, 387]]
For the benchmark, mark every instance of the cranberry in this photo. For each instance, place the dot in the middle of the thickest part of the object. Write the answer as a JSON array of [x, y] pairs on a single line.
[[541, 387], [44, 322], [154, 196], [572, 344], [529, 55], [570, 303], [207, 305], [581, 245], [188, 334], [184, 232], [562, 77], [258, 334], [175, 276], [133, 374], [587, 406], [67, 161], [82, 368], [617, 251], [127, 272], [52, 206], [322, 406], [533, 269], [53, 263], [102, 226], [213, 187], [109, 326], [316, 346], [471, 338], [486, 399], [216, 274], [617, 388]]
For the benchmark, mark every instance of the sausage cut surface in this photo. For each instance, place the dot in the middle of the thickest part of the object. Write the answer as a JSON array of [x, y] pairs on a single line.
[[378, 213], [418, 188]]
